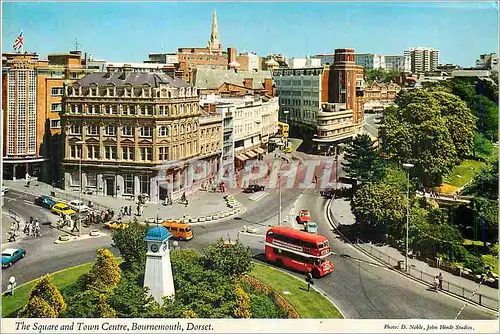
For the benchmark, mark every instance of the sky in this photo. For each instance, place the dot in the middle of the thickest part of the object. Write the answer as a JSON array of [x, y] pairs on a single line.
[[129, 31]]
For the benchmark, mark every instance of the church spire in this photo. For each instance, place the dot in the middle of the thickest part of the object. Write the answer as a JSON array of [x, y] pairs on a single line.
[[214, 43]]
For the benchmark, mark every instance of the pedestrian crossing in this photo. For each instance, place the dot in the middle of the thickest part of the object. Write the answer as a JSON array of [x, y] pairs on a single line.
[[258, 196]]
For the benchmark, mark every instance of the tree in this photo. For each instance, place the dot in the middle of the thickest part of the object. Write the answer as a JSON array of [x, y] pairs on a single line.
[[131, 243], [82, 304], [482, 146], [103, 309], [486, 112], [105, 273], [242, 309], [486, 214], [485, 183], [379, 209], [396, 176], [381, 75], [45, 290], [362, 161], [129, 298], [37, 308], [228, 260]]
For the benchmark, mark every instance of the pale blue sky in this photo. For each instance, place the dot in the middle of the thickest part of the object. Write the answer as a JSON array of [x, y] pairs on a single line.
[[128, 31]]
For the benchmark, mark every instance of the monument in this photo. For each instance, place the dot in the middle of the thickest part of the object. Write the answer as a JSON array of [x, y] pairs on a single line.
[[158, 277]]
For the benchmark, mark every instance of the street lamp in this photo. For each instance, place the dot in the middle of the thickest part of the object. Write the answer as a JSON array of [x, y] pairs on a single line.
[[407, 166], [81, 142], [286, 112], [278, 155]]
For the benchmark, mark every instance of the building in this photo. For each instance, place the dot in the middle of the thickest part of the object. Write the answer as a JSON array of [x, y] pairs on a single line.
[[131, 133], [380, 95], [304, 62], [488, 61], [211, 142], [304, 92], [276, 60], [471, 73], [422, 59], [370, 61], [227, 167], [209, 80], [398, 63], [326, 59]]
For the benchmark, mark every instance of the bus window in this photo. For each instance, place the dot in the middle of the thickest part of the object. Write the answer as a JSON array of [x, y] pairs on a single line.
[[174, 229]]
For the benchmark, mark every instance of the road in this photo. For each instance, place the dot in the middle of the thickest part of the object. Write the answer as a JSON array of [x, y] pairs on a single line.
[[371, 124], [360, 287]]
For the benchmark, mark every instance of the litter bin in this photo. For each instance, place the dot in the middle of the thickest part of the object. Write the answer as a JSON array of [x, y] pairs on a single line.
[[401, 265]]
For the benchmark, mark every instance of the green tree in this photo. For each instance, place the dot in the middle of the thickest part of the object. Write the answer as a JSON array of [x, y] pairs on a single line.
[[486, 112], [485, 183], [82, 304], [105, 273], [130, 242], [379, 209], [37, 308], [486, 212], [232, 261], [396, 176], [362, 161], [46, 290], [103, 309], [129, 298], [381, 75], [242, 309], [482, 146]]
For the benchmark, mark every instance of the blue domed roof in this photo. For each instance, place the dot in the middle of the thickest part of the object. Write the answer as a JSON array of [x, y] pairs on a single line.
[[159, 233]]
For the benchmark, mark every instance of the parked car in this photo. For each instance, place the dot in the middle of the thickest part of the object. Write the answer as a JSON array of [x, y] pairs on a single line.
[[311, 227], [11, 256], [328, 192], [114, 225], [62, 208], [304, 216], [78, 206], [253, 188], [45, 201]]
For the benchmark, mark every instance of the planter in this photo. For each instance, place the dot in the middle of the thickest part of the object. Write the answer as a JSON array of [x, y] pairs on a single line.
[[94, 233], [64, 237], [201, 219], [208, 218], [215, 217]]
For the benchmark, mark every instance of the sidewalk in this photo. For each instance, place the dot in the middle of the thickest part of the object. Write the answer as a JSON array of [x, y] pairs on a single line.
[[201, 203], [341, 210]]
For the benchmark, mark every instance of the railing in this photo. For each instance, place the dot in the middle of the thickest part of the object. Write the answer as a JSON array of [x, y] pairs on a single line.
[[455, 289]]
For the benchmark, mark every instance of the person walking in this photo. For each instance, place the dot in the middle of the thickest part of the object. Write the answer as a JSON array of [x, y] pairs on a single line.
[[436, 283], [440, 278], [32, 230]]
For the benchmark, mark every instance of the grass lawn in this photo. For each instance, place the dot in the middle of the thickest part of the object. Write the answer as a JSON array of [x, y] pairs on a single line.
[[461, 175], [61, 279], [308, 304], [492, 261]]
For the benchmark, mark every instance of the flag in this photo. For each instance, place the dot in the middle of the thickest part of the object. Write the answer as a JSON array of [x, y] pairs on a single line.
[[19, 42]]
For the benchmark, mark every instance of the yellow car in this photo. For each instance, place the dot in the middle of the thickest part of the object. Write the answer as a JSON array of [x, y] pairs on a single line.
[[114, 225], [62, 208]]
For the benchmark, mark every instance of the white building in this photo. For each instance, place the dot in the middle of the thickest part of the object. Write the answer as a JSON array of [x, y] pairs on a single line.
[[422, 59], [370, 61], [304, 62], [253, 61], [326, 59], [398, 63], [488, 61], [227, 112]]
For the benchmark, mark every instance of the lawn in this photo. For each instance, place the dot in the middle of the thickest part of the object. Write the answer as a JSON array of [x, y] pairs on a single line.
[[461, 175], [61, 279], [308, 304], [492, 261]]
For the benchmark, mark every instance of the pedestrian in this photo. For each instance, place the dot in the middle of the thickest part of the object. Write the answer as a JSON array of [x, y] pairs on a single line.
[[32, 230], [315, 179], [26, 229], [440, 278], [37, 232], [138, 209], [18, 226], [309, 281], [436, 283], [37, 224]]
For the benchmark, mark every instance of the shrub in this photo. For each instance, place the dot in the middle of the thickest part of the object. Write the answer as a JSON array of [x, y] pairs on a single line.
[[474, 263]]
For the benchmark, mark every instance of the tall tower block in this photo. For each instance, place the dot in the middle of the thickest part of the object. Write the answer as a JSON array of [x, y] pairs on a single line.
[[158, 277]]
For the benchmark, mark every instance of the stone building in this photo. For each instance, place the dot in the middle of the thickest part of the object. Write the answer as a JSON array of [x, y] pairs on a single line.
[[379, 95], [131, 133]]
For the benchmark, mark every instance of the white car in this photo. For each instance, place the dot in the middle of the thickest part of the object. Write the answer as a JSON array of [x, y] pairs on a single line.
[[78, 206]]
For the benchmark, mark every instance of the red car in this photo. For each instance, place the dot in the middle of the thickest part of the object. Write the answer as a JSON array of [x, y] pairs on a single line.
[[303, 217]]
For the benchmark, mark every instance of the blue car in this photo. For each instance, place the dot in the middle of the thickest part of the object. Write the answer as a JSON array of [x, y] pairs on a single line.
[[45, 201], [11, 256]]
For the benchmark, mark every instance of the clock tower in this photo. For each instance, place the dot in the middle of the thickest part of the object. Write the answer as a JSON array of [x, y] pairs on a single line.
[[158, 277]]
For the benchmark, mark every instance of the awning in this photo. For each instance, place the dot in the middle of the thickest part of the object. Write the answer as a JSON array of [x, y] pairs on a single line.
[[251, 154], [259, 150], [241, 157]]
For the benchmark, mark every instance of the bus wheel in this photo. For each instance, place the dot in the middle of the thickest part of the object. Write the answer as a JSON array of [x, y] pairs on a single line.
[[315, 273], [279, 263]]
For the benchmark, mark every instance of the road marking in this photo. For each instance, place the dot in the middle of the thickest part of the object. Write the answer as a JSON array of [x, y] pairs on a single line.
[[258, 197], [253, 234]]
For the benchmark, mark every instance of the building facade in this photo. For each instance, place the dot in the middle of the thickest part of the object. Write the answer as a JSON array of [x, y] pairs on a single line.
[[422, 59], [326, 59], [488, 61], [380, 95], [304, 62], [370, 61], [131, 134], [398, 63]]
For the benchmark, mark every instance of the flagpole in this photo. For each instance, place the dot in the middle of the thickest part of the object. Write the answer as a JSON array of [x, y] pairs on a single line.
[[22, 44]]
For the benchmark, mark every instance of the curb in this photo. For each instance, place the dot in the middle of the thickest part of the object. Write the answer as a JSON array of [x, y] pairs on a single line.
[[330, 220], [312, 286]]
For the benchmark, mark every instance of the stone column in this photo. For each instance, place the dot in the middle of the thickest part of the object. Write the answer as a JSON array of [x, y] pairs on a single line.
[[154, 190], [84, 181], [67, 181], [100, 185], [137, 187], [120, 186]]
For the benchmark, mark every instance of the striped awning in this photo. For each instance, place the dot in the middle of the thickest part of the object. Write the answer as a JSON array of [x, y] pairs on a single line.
[[251, 154], [242, 157], [259, 150]]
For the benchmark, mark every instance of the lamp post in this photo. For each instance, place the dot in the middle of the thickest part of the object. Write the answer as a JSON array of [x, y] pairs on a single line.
[[278, 155], [81, 142], [286, 112], [407, 167]]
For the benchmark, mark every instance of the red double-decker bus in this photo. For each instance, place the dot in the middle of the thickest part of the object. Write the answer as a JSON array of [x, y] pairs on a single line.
[[298, 250]]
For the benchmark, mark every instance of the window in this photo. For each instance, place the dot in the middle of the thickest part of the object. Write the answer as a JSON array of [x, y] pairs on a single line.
[[75, 151], [146, 154], [57, 91], [146, 110], [55, 123], [182, 129], [75, 129], [128, 153], [110, 152], [144, 184], [111, 110], [129, 110], [163, 131], [92, 130], [128, 183], [163, 154], [75, 108], [127, 131], [110, 130], [92, 180], [146, 131], [93, 109], [93, 91], [93, 152], [164, 110]]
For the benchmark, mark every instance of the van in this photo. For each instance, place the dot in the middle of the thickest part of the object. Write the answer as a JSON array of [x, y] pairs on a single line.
[[179, 231]]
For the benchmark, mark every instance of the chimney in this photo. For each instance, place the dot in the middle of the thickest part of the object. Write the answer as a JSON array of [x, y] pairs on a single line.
[[231, 54], [127, 69], [248, 83]]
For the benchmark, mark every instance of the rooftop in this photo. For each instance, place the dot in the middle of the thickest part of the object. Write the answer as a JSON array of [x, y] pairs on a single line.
[[133, 78], [158, 233]]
